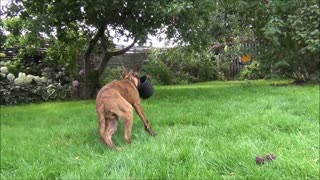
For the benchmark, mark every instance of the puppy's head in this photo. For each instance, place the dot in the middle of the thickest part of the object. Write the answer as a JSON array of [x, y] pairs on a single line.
[[133, 76]]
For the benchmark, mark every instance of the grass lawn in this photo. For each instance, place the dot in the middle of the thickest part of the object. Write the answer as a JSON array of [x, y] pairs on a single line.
[[209, 130]]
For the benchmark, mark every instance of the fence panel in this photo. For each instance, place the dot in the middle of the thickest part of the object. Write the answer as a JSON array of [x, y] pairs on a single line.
[[235, 68]]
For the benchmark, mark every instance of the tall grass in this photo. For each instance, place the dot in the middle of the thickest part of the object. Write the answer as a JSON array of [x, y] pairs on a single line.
[[205, 131]]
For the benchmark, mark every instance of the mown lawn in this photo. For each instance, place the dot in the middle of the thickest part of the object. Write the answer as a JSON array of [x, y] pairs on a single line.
[[204, 131]]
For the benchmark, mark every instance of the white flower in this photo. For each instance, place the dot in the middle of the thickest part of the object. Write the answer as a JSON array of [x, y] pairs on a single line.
[[81, 72], [10, 77], [75, 83], [6, 63], [226, 48], [22, 75], [18, 81], [43, 79], [37, 78], [50, 86], [22, 78], [3, 75], [44, 74], [29, 78], [4, 70]]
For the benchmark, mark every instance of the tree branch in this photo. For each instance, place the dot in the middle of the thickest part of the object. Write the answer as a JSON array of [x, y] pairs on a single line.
[[103, 63], [104, 44], [107, 55], [93, 42], [122, 51]]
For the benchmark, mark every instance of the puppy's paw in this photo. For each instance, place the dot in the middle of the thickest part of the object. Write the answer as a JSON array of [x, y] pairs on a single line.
[[129, 141], [152, 133], [119, 149], [115, 148]]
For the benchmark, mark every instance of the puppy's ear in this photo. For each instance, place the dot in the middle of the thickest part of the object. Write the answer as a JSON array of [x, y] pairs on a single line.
[[125, 72], [148, 76], [124, 69], [136, 74], [137, 68]]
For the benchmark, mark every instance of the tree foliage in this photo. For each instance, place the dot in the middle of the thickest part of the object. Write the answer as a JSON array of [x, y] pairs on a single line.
[[71, 25], [287, 31], [287, 28], [293, 36]]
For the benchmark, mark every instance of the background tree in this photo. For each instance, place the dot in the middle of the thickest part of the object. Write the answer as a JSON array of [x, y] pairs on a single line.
[[287, 29], [69, 25], [289, 34]]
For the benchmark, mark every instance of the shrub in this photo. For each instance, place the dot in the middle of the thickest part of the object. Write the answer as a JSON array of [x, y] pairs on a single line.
[[29, 88], [54, 91], [161, 74], [182, 65], [208, 70], [292, 36], [11, 93], [110, 74], [252, 71]]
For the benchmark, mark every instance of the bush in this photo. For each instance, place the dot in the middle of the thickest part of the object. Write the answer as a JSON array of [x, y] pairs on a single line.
[[27, 93], [28, 89], [110, 74], [208, 70], [292, 40], [182, 65], [54, 91], [15, 94], [161, 74], [252, 71]]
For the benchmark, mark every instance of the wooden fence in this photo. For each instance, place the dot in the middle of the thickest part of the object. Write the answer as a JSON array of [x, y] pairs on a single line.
[[138, 55], [135, 56], [235, 68]]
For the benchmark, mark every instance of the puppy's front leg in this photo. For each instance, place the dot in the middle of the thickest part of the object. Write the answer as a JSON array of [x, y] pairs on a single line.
[[137, 106], [128, 121]]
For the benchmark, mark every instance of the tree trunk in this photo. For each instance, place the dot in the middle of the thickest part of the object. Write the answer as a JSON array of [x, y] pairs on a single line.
[[92, 74], [88, 86]]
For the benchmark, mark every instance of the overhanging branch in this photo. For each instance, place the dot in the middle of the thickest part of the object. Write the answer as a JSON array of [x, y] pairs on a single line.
[[107, 55], [122, 51], [93, 42]]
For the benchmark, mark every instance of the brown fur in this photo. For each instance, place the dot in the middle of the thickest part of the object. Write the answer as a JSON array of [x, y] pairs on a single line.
[[117, 100]]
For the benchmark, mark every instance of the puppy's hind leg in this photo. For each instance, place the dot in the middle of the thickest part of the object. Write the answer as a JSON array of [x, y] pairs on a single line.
[[102, 123], [112, 124]]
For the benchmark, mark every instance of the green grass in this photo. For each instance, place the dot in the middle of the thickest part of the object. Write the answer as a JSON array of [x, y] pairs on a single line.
[[209, 130]]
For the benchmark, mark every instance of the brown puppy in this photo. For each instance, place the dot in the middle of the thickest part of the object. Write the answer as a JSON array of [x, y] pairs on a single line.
[[117, 100]]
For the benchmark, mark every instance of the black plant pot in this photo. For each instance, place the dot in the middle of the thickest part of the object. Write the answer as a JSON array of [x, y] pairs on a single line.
[[146, 89]]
